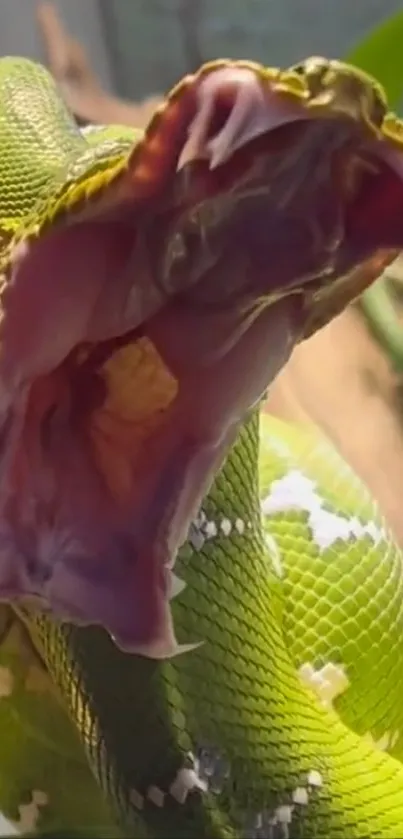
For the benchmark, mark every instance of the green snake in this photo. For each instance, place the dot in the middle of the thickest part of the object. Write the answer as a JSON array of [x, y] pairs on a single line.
[[152, 286]]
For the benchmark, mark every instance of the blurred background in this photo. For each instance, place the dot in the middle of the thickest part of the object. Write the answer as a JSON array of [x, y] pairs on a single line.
[[115, 58], [140, 47]]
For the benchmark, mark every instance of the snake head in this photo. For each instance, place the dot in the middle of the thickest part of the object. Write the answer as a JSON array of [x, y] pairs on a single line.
[[149, 301]]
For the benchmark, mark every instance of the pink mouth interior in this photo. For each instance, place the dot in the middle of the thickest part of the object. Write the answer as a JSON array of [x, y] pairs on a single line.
[[119, 402], [108, 455]]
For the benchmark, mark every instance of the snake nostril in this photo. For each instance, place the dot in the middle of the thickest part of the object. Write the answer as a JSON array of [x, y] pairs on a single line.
[[298, 68], [314, 71]]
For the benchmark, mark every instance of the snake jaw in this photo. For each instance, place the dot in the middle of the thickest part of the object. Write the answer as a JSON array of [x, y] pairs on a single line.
[[126, 381]]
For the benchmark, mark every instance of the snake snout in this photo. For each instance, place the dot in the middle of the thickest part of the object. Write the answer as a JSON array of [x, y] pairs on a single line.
[[343, 89]]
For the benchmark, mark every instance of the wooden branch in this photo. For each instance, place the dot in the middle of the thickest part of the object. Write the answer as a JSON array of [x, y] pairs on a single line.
[[80, 86]]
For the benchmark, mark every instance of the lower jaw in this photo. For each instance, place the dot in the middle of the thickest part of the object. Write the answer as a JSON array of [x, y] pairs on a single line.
[[109, 563]]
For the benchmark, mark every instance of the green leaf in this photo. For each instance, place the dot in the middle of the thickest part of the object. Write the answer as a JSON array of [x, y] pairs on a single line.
[[381, 55]]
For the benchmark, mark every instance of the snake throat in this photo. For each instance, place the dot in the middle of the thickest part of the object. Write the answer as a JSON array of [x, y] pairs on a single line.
[[136, 339]]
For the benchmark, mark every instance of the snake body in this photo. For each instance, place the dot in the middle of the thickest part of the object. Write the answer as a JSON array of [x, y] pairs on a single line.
[[286, 720]]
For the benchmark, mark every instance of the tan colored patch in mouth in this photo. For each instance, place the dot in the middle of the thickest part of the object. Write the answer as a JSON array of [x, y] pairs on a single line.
[[139, 390]]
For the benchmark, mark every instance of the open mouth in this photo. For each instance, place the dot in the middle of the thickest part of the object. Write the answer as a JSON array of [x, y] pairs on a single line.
[[138, 332]]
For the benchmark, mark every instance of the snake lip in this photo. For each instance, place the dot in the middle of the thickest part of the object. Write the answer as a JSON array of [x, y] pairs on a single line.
[[125, 382]]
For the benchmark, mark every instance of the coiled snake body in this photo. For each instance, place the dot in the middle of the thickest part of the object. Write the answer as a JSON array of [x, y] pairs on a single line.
[[285, 720]]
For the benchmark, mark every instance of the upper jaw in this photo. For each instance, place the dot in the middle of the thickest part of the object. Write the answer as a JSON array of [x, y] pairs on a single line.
[[258, 101], [218, 382], [233, 106]]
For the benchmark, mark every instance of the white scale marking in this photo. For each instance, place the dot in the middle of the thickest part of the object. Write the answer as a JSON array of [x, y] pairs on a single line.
[[226, 527], [186, 781], [29, 813], [92, 129], [156, 795], [283, 814], [275, 555], [295, 491], [136, 799], [314, 778], [387, 741], [327, 682], [210, 529], [300, 796], [176, 586]]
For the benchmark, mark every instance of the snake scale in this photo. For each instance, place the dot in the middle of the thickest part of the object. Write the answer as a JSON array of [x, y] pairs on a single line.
[[151, 288]]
